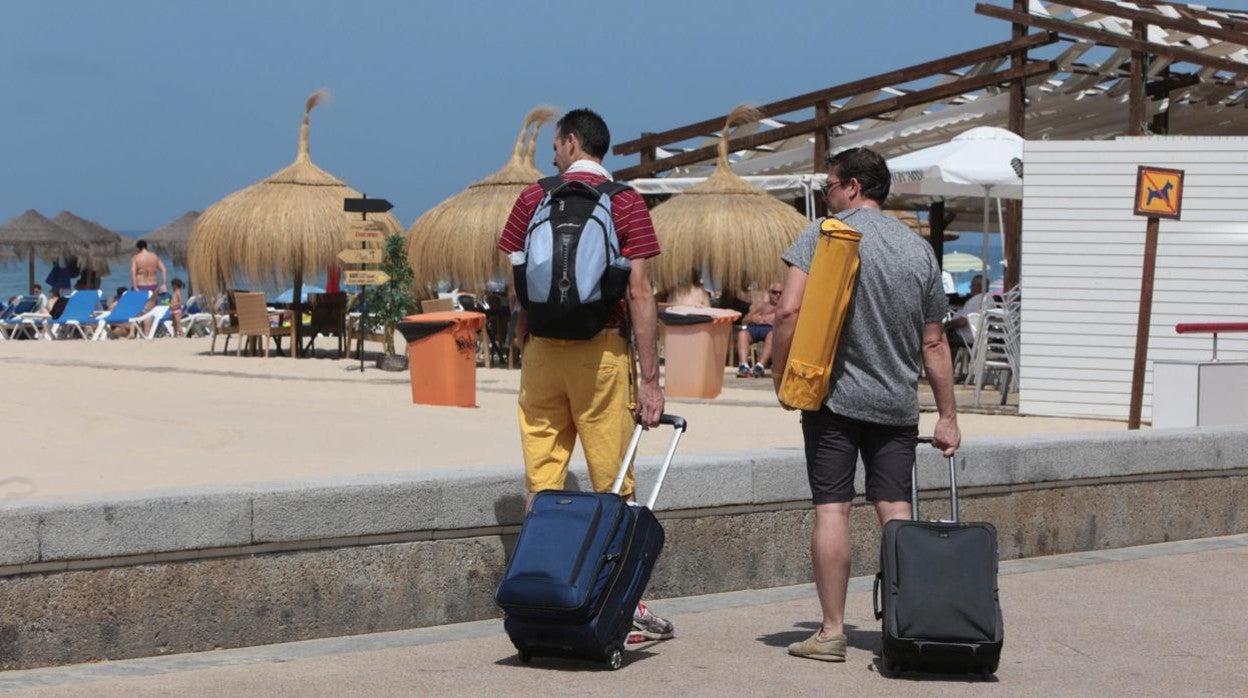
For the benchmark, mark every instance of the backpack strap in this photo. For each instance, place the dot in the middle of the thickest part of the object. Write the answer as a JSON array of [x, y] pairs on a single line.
[[550, 184], [608, 187], [611, 188]]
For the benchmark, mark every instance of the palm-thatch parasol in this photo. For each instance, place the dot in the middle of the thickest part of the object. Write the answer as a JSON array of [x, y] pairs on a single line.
[[729, 229], [457, 240], [32, 234], [289, 224], [174, 237], [99, 243]]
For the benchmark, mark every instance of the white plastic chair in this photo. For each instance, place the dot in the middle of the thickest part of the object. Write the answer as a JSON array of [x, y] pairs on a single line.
[[996, 347]]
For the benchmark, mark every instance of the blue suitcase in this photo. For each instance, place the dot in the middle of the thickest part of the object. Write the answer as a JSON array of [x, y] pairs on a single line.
[[580, 566]]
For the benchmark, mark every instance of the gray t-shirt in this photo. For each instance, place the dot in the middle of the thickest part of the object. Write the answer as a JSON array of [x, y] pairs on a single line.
[[876, 372]]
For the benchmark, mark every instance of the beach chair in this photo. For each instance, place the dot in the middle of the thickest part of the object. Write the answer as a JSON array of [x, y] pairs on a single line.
[[437, 305], [156, 317], [11, 320], [129, 306], [79, 314], [252, 313], [329, 318]]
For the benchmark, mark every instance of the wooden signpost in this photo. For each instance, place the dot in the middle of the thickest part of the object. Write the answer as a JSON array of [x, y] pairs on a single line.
[[364, 256], [364, 277], [364, 232], [1158, 194]]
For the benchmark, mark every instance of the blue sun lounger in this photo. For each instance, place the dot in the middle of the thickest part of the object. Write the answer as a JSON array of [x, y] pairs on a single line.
[[128, 307], [11, 320], [76, 317]]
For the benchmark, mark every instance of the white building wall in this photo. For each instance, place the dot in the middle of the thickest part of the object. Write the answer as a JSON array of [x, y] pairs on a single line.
[[1082, 255]]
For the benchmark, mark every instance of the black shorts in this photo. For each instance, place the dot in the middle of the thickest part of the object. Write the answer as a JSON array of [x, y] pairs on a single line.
[[833, 443]]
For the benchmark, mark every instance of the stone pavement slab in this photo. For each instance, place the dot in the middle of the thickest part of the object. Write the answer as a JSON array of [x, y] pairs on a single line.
[[1160, 620]]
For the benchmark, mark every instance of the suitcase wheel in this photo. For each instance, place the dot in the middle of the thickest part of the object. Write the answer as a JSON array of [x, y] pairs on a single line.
[[525, 657], [615, 658]]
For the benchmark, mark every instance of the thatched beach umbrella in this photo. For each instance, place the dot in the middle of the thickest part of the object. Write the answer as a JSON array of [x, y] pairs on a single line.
[[32, 234], [729, 229], [100, 243], [289, 224], [173, 238], [457, 240]]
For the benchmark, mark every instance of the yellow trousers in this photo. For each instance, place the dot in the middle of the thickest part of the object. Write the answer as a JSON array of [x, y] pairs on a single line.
[[571, 388]]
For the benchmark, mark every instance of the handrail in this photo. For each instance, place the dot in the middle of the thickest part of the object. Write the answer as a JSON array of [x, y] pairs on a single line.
[[1213, 328]]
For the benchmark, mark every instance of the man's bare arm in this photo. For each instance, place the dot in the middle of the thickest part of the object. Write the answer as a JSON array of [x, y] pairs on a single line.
[[786, 322], [938, 365], [645, 332], [134, 272]]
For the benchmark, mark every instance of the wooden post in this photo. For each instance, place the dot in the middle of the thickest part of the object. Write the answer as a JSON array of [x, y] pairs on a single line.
[[819, 159], [647, 154], [1012, 235], [1141, 330], [30, 269], [1135, 114], [296, 320], [936, 230], [1160, 124]]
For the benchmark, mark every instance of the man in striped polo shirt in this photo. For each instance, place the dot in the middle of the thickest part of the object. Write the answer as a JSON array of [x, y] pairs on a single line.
[[571, 388]]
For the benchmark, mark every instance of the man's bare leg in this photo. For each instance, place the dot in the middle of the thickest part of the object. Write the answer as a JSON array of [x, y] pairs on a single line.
[[743, 348], [765, 357], [830, 555], [887, 511]]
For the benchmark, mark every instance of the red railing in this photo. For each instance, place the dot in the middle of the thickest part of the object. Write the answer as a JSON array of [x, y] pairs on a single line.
[[1214, 328]]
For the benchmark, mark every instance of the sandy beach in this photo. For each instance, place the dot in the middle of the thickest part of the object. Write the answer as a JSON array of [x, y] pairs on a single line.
[[89, 418]]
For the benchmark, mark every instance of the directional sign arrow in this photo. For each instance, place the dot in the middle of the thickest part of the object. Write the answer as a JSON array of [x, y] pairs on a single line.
[[366, 205], [352, 277], [361, 256], [368, 231]]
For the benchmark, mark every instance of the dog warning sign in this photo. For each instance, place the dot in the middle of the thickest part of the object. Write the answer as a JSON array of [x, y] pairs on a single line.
[[1158, 192]]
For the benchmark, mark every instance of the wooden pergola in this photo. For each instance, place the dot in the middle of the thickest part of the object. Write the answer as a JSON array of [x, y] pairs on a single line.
[[1172, 68]]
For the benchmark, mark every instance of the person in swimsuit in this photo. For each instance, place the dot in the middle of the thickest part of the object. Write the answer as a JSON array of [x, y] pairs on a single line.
[[143, 267]]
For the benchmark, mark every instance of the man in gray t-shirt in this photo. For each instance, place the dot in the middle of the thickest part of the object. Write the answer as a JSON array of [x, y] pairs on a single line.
[[894, 321]]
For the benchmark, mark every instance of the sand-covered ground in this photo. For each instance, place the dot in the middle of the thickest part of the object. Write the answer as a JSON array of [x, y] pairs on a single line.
[[86, 418]]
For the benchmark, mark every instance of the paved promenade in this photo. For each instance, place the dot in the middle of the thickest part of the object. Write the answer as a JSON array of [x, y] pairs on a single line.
[[1160, 620]]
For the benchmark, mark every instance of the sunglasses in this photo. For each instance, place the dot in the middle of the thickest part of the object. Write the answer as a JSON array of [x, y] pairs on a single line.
[[830, 186]]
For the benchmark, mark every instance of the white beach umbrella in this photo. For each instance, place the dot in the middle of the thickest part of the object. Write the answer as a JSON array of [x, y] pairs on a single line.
[[974, 163], [955, 262]]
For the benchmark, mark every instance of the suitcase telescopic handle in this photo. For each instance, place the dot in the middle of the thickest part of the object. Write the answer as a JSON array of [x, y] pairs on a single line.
[[679, 427], [914, 485]]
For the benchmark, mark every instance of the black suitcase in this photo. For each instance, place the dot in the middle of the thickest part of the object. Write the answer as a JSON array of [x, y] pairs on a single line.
[[936, 592], [581, 564]]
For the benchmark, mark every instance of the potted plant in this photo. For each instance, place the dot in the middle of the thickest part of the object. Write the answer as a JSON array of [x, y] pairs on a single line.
[[385, 305]]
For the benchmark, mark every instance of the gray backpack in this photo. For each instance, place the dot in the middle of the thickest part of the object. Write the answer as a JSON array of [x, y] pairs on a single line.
[[572, 274]]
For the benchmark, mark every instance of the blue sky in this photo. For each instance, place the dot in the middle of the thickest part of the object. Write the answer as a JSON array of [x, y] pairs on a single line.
[[132, 112]]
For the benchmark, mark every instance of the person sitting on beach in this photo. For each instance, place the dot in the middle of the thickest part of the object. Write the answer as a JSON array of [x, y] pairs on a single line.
[[143, 267], [695, 295], [758, 322], [56, 303], [958, 330], [112, 302], [37, 290]]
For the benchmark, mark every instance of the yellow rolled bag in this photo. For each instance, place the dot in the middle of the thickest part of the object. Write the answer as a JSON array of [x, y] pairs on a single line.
[[829, 288]]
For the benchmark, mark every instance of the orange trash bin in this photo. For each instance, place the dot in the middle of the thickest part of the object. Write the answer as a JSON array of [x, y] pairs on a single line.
[[442, 357], [695, 348]]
